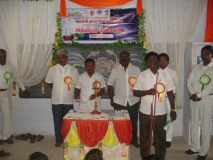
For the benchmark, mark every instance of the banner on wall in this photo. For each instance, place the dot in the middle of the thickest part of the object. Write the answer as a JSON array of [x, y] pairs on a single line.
[[92, 25]]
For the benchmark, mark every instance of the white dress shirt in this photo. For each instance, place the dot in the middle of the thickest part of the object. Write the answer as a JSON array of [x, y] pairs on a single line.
[[123, 90], [85, 83], [193, 83], [174, 76], [145, 81], [9, 67], [60, 92]]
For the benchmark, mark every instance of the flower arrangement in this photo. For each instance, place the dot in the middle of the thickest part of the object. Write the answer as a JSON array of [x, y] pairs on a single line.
[[123, 152], [100, 146], [142, 36], [81, 151], [43, 86], [14, 89]]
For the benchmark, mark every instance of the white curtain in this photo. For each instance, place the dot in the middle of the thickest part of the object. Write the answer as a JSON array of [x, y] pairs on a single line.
[[169, 25], [27, 29]]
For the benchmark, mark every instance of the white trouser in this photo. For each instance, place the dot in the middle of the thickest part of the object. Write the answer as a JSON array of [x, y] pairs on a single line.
[[5, 111], [170, 127], [201, 114]]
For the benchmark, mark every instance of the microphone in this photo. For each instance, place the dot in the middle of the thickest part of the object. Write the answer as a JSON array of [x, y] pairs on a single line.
[[156, 65]]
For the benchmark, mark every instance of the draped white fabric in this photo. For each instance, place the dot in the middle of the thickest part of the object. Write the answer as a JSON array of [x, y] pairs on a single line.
[[27, 29], [169, 25]]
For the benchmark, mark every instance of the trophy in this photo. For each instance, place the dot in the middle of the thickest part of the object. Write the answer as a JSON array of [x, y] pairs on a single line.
[[96, 87]]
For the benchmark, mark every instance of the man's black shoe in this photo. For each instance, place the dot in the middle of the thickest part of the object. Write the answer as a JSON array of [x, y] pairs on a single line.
[[201, 157], [168, 144], [136, 145], [189, 152], [9, 141]]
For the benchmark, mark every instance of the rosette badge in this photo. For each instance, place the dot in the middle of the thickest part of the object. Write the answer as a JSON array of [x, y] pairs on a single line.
[[68, 82], [204, 80], [132, 80], [7, 77], [160, 88]]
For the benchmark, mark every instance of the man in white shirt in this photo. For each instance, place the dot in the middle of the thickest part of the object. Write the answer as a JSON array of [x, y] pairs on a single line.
[[123, 78], [88, 80], [153, 86], [8, 74], [200, 86], [163, 63], [61, 78]]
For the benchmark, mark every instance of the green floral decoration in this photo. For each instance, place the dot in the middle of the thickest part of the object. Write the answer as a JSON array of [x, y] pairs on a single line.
[[59, 41], [141, 26], [140, 42], [142, 36]]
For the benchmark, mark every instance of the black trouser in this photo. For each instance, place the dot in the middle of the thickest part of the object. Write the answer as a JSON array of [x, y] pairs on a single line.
[[159, 134], [133, 113]]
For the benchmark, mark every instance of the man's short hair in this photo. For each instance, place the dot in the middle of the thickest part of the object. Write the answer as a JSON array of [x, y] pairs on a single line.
[[209, 48], [151, 54], [38, 156], [3, 51], [89, 60], [62, 52], [122, 52], [163, 54]]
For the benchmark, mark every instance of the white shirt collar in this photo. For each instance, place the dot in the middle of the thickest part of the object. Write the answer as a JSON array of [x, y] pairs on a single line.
[[210, 64], [127, 67], [165, 69], [62, 66]]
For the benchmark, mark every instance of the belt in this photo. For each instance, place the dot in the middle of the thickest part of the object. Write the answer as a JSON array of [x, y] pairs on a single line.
[[3, 89]]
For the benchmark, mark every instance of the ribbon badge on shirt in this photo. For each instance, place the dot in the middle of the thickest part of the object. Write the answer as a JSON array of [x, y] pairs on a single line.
[[68, 82], [132, 80], [204, 80], [160, 88], [7, 76]]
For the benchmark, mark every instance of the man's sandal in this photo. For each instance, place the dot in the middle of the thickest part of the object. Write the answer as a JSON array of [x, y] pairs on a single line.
[[28, 135], [8, 141], [4, 154], [58, 144], [21, 137], [32, 139], [39, 138]]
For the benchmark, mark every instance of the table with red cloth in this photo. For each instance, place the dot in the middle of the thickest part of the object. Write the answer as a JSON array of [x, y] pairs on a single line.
[[83, 131]]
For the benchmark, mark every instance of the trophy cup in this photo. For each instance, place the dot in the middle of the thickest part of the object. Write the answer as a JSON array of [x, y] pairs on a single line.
[[96, 87]]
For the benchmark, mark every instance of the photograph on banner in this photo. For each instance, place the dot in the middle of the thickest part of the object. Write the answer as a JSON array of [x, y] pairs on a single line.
[[98, 25]]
